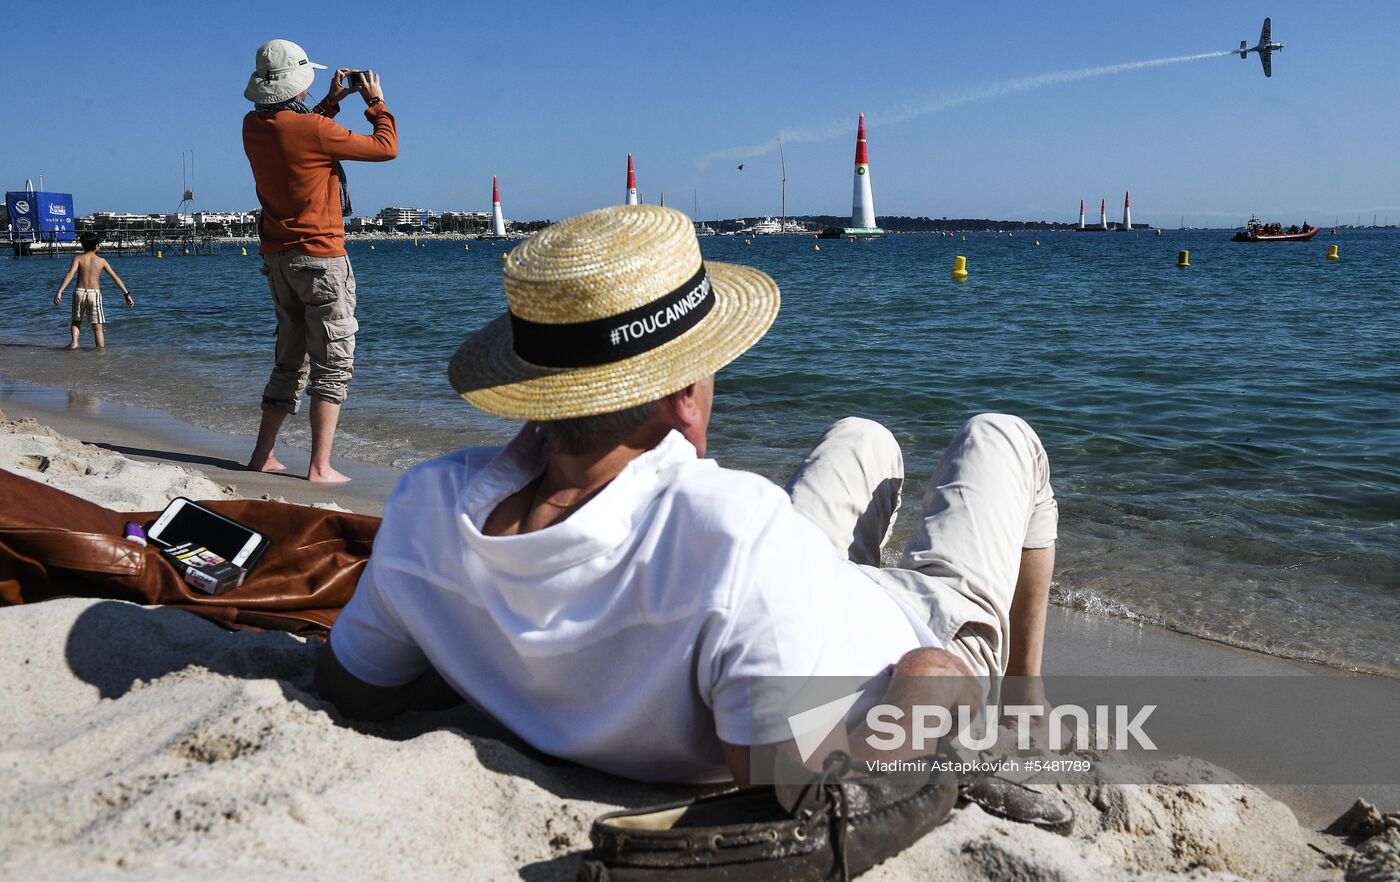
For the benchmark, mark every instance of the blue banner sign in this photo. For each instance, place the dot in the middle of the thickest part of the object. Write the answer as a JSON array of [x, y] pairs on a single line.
[[41, 216]]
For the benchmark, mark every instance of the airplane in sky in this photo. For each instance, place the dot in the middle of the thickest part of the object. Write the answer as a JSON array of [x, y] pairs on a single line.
[[1265, 48]]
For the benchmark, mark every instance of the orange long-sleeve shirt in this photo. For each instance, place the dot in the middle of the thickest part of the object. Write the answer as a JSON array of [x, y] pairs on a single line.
[[292, 156]]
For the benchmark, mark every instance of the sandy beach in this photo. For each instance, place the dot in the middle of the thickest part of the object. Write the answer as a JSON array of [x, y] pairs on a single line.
[[141, 741]]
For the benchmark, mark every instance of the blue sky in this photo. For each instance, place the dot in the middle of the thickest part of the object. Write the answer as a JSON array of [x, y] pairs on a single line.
[[550, 97]]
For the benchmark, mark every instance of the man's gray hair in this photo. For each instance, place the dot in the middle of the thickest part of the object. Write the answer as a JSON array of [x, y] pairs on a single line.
[[588, 434]]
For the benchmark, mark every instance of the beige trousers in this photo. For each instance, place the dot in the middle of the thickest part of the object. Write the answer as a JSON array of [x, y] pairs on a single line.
[[989, 498]]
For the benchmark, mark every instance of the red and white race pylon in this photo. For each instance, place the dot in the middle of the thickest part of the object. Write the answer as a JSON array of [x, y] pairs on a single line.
[[862, 203], [1127, 213], [498, 221], [1103, 213], [1081, 214], [631, 182]]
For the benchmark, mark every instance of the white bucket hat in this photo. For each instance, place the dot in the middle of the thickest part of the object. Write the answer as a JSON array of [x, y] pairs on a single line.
[[282, 72]]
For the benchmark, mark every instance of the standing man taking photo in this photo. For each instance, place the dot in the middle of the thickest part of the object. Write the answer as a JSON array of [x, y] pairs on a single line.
[[295, 152]]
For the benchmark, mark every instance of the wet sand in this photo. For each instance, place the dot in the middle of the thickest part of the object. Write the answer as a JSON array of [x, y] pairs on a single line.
[[155, 436]]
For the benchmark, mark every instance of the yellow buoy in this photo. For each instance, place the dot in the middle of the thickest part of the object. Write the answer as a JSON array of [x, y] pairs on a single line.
[[243, 251], [816, 248], [1183, 258], [504, 256], [466, 247], [187, 251], [748, 241], [1037, 241], [371, 248], [959, 268], [160, 254], [1332, 253]]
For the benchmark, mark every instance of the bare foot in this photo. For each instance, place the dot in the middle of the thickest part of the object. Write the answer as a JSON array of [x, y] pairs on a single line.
[[71, 346], [270, 464], [326, 475]]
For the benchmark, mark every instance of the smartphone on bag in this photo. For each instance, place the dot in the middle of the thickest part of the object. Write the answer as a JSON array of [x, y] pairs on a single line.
[[187, 521]]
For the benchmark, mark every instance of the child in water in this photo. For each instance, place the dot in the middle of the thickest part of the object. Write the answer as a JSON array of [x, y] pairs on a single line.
[[87, 299]]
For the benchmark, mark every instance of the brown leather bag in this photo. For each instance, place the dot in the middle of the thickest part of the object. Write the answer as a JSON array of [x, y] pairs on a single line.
[[53, 544]]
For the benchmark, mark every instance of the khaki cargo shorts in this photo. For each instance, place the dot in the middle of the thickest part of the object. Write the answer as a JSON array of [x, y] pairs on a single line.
[[315, 302]]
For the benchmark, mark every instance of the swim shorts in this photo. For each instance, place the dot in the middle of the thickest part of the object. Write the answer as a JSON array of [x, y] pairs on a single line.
[[88, 302]]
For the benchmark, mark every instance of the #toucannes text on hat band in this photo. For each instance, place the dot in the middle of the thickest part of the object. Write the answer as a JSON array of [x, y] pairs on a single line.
[[615, 337]]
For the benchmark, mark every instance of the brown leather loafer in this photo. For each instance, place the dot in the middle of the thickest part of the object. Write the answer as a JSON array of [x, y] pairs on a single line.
[[1016, 802], [836, 826]]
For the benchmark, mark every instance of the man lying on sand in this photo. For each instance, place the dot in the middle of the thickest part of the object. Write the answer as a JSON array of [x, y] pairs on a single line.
[[607, 593]]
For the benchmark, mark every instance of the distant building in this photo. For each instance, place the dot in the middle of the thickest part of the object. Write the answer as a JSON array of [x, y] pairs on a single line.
[[223, 218], [214, 223], [404, 218], [117, 220], [364, 223], [465, 221]]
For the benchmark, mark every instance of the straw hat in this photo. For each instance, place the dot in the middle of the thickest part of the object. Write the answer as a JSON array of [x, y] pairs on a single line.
[[609, 310]]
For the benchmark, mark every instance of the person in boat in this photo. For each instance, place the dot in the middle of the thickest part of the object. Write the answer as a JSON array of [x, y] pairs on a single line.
[[608, 594]]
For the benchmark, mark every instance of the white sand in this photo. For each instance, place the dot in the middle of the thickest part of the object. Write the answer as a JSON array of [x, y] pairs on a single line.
[[98, 475], [140, 742]]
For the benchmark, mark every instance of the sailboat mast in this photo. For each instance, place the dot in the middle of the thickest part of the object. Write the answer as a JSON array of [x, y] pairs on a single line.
[[783, 159]]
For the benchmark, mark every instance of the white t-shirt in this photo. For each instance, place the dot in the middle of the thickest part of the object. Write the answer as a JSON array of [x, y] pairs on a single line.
[[625, 637]]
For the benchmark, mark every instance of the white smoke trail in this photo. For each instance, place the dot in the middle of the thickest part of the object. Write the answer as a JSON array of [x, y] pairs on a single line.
[[907, 112]]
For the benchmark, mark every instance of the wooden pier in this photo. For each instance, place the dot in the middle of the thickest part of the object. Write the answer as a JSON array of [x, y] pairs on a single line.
[[179, 241]]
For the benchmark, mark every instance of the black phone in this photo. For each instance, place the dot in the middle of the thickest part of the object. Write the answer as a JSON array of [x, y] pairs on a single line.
[[186, 521], [354, 78]]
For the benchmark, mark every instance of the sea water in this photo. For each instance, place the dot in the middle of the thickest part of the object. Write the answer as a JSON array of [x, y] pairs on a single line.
[[1224, 439]]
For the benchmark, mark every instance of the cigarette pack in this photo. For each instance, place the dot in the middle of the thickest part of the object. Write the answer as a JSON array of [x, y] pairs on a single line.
[[204, 570]]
